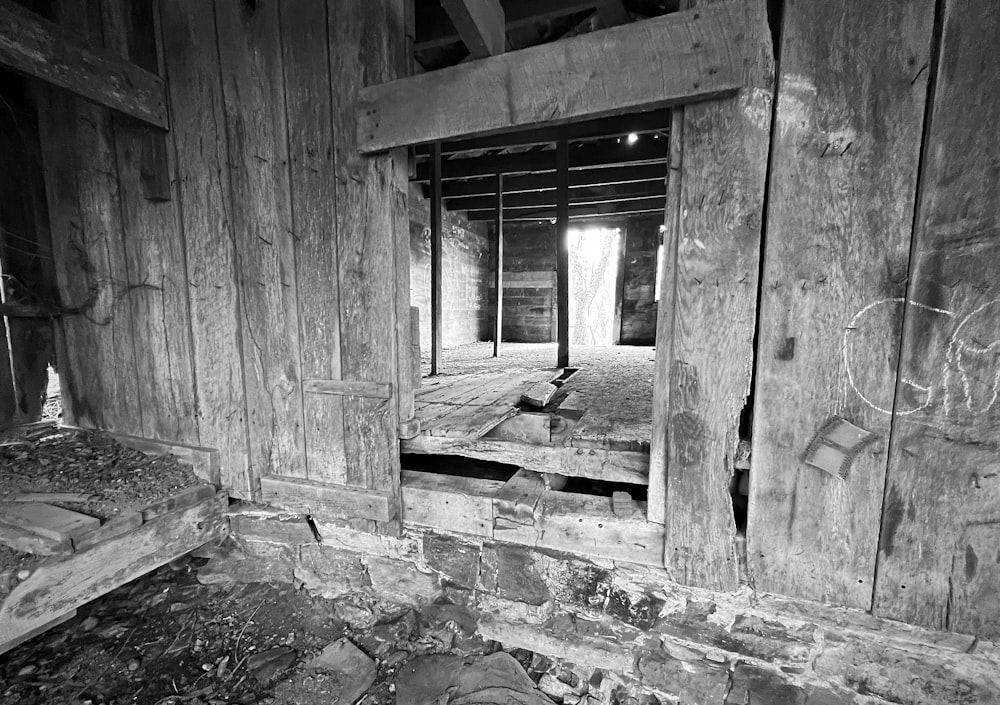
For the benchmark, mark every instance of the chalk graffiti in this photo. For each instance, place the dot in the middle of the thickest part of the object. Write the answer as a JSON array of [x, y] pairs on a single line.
[[962, 378]]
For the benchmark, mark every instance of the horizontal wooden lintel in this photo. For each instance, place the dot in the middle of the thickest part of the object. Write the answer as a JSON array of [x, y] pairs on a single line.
[[41, 49], [348, 388], [670, 60], [325, 500]]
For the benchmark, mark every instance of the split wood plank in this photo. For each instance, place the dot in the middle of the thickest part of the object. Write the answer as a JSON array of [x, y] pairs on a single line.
[[198, 131], [517, 500], [470, 422], [369, 190], [596, 463], [466, 502], [154, 254], [710, 302], [26, 541], [348, 388], [700, 53], [327, 501], [937, 554], [48, 520], [123, 523], [204, 461], [525, 426], [59, 56], [480, 24], [844, 166], [253, 94], [185, 498], [61, 585], [309, 116]]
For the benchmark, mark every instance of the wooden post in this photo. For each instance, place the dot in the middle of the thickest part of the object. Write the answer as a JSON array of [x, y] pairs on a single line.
[[498, 323], [562, 251], [436, 289]]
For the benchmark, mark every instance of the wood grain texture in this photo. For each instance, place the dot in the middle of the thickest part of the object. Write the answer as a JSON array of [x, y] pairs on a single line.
[[309, 113], [102, 386], [154, 257], [367, 40], [348, 388], [326, 501], [253, 92], [843, 180], [937, 554], [63, 57], [61, 585], [596, 74], [199, 136], [717, 241]]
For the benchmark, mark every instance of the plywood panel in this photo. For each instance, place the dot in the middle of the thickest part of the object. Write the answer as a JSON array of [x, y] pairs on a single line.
[[714, 239], [253, 92], [843, 178], [154, 257], [308, 101], [199, 136], [937, 556], [367, 40]]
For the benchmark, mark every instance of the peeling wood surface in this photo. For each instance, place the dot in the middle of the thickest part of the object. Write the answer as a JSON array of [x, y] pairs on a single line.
[[713, 240], [327, 501], [843, 180], [548, 84], [937, 560]]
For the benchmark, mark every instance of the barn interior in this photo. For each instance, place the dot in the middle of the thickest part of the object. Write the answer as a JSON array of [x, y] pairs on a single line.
[[661, 337]]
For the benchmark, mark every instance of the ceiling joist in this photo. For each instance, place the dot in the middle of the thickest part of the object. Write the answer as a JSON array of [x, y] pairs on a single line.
[[578, 211], [578, 195], [480, 24], [607, 176]]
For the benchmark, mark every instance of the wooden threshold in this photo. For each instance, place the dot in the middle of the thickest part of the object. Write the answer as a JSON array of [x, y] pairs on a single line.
[[582, 524], [595, 463], [60, 585]]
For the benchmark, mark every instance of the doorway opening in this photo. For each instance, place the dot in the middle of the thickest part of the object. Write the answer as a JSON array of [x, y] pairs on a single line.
[[593, 267]]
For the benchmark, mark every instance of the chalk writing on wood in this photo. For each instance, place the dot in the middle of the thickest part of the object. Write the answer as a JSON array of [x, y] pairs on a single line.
[[965, 383]]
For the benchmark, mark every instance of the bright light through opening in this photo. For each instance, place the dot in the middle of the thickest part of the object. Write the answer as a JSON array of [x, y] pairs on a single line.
[[632, 138]]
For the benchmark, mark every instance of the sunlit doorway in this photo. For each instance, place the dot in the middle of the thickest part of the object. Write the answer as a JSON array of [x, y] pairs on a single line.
[[593, 268]]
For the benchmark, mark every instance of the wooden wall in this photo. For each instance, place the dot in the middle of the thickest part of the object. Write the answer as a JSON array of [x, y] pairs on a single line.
[[208, 307]]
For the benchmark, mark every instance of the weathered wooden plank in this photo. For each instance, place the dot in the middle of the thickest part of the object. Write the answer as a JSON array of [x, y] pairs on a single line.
[[599, 464], [48, 520], [61, 585], [102, 380], [204, 461], [62, 57], [466, 502], [187, 497], [937, 554], [714, 243], [596, 74], [254, 99], [844, 166], [480, 24], [517, 499], [309, 112], [348, 388], [325, 500], [369, 37], [154, 257], [198, 132]]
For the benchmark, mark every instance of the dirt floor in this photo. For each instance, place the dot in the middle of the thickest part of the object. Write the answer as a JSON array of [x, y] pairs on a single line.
[[617, 378], [167, 639]]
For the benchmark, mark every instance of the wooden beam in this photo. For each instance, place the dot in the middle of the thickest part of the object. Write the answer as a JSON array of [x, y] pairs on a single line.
[[434, 30], [498, 277], [480, 24], [436, 245], [44, 50], [580, 157], [327, 501], [613, 13], [634, 206], [562, 253], [547, 199], [591, 178], [595, 463], [615, 126], [670, 60]]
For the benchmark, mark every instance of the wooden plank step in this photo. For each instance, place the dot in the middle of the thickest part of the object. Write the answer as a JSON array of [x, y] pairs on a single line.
[[48, 520], [327, 500]]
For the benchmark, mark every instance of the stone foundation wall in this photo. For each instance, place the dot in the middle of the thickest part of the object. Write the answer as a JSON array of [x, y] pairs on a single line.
[[630, 624]]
